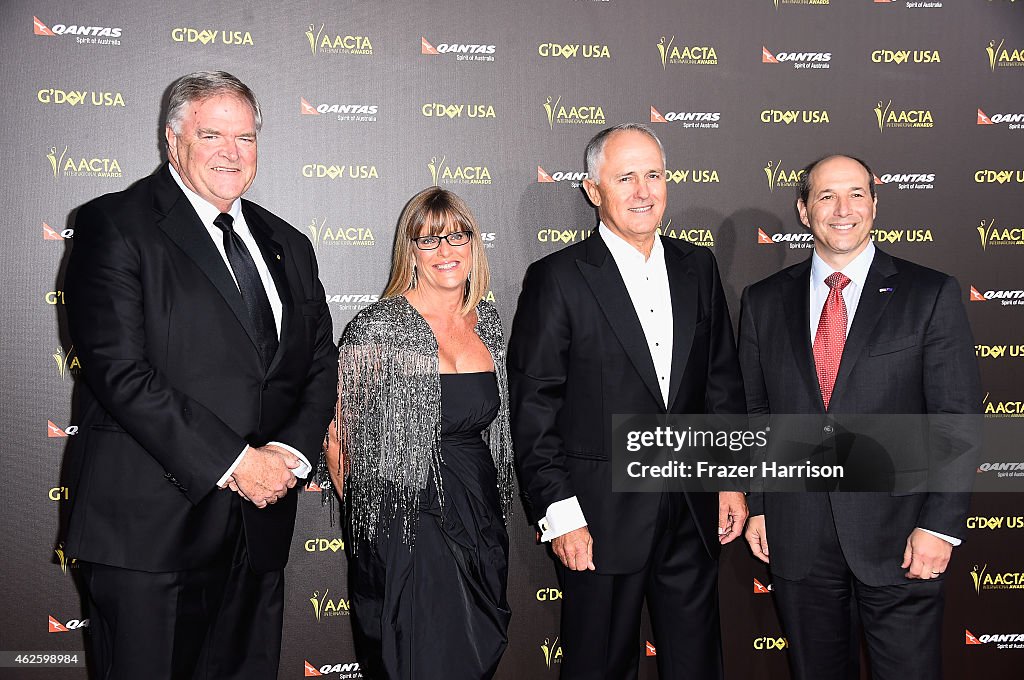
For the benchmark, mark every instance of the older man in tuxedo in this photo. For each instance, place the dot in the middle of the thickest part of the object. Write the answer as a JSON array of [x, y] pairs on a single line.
[[209, 369], [853, 330], [625, 322]]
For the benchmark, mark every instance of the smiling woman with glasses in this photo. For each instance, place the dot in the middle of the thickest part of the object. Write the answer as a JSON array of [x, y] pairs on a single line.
[[421, 442]]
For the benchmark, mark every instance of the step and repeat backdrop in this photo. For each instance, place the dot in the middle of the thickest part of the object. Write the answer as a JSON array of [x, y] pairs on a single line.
[[366, 103]]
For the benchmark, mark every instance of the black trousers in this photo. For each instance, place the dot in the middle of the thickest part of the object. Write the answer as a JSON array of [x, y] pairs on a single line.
[[601, 612], [901, 623], [222, 621]]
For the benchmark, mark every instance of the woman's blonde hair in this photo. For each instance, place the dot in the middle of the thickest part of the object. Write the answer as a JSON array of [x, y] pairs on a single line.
[[441, 212]]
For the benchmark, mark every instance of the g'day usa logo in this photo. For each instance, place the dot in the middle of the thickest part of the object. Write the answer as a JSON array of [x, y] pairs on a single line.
[[460, 51], [83, 34]]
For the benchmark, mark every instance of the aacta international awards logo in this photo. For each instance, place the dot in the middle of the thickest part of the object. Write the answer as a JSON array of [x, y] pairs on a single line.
[[443, 172], [671, 53], [993, 235], [560, 114], [69, 165], [999, 56], [888, 117], [324, 606], [1008, 580], [63, 559], [801, 2], [698, 236], [323, 234], [68, 363], [327, 42], [779, 177], [552, 650]]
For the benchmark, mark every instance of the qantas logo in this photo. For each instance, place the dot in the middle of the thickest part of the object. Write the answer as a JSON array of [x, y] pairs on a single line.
[[689, 119], [54, 432], [74, 624], [51, 234], [760, 588], [573, 178], [345, 670], [463, 52], [650, 649], [88, 32], [800, 60], [1015, 639], [1013, 119], [798, 240], [1005, 297]]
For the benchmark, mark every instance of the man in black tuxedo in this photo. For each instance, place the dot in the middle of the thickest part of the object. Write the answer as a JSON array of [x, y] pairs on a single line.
[[853, 330], [625, 322], [209, 368]]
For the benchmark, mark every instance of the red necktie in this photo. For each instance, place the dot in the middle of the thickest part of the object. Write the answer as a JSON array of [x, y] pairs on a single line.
[[831, 335]]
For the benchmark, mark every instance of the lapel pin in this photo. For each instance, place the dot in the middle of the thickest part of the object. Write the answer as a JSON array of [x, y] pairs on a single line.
[[885, 290], [279, 257]]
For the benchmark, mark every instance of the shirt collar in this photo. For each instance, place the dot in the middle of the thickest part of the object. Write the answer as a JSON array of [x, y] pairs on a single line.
[[206, 211], [623, 250], [856, 270]]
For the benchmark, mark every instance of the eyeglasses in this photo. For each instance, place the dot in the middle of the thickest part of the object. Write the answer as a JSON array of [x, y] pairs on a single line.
[[455, 239]]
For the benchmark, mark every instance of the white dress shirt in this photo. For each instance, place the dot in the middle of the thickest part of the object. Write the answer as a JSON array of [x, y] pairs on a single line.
[[207, 214], [646, 282], [857, 272]]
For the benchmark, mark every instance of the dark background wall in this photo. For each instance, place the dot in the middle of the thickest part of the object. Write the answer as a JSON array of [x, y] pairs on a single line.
[[357, 114]]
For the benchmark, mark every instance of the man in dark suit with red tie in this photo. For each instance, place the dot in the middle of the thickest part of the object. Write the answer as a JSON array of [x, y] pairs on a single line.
[[209, 369], [854, 330]]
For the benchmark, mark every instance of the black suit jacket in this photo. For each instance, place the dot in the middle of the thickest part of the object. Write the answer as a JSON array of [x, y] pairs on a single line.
[[173, 384], [578, 355], [909, 351]]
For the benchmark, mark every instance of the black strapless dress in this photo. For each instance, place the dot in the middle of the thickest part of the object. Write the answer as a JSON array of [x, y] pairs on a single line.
[[438, 611]]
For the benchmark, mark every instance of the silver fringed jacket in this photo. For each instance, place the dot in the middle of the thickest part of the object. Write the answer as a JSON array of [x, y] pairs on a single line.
[[389, 416]]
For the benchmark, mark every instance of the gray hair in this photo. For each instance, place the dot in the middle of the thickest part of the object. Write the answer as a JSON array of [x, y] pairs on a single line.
[[201, 85], [594, 155]]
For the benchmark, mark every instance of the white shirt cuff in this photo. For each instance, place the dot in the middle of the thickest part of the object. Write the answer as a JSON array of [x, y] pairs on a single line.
[[304, 468], [948, 539], [562, 517], [302, 471]]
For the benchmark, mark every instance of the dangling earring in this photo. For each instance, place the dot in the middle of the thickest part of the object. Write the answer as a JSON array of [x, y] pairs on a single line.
[[415, 278]]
